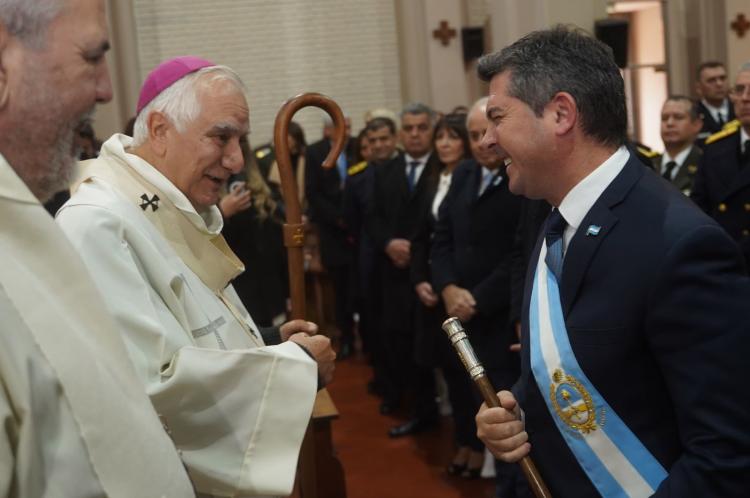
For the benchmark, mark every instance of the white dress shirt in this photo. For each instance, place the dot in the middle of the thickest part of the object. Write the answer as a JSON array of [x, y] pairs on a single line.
[[578, 202]]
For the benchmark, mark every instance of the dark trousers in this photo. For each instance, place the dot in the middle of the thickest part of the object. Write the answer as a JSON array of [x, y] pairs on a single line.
[[509, 479], [464, 407], [342, 287]]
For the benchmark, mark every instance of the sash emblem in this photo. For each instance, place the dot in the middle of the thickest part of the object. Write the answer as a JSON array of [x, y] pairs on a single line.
[[573, 404]]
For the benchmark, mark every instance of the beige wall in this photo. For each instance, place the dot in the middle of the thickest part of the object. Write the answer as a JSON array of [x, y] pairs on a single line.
[[738, 49], [650, 85]]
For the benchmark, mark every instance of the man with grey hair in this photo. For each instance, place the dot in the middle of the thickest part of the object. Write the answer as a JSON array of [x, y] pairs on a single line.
[[144, 217], [722, 184], [75, 420], [402, 195], [634, 317]]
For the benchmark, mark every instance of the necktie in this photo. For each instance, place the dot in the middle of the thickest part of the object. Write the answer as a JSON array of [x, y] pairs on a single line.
[[553, 236], [412, 174], [720, 119], [341, 166], [671, 165], [487, 178]]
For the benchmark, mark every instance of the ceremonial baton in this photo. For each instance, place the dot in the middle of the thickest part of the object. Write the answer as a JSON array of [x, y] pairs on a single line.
[[457, 335], [294, 233]]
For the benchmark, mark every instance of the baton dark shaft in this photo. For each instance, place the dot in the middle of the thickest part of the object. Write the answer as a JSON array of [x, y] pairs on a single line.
[[457, 335]]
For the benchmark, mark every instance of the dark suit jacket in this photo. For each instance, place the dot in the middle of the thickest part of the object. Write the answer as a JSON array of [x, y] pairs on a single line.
[[325, 196], [397, 214], [686, 174], [471, 249], [357, 206], [722, 189], [710, 125], [655, 307]]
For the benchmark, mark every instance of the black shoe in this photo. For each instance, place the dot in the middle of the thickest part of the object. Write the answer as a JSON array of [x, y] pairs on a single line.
[[470, 473], [413, 426], [455, 469], [387, 407]]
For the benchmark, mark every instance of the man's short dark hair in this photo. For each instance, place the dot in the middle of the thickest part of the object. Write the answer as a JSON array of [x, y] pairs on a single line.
[[565, 59], [381, 122], [692, 105], [707, 65]]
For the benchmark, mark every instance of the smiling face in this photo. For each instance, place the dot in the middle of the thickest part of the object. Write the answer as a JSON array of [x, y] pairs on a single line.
[[515, 132], [200, 160], [382, 143], [449, 146], [477, 126], [51, 91]]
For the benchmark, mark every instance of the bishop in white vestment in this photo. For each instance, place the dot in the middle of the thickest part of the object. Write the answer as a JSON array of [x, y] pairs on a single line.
[[236, 408]]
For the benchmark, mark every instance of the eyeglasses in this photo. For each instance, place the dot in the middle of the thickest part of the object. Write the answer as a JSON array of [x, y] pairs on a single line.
[[740, 90]]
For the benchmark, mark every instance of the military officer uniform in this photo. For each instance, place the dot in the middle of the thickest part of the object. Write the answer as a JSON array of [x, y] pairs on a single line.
[[679, 170], [722, 183]]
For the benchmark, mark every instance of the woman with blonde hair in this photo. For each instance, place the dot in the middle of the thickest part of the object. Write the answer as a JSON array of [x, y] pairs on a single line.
[[252, 227]]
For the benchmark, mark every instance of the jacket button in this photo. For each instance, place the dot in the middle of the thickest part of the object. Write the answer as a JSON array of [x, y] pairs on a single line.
[[747, 206], [722, 207], [745, 232]]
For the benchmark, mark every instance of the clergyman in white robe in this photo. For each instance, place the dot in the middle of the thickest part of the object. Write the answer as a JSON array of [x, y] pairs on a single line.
[[74, 419], [237, 409]]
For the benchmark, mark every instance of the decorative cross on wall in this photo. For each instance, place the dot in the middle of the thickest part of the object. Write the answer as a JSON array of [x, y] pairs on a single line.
[[740, 25], [444, 33]]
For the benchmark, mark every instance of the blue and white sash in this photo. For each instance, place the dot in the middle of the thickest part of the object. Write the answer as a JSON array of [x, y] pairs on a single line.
[[611, 455]]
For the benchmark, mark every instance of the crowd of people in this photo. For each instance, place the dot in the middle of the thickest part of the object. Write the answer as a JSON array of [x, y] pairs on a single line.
[[145, 345]]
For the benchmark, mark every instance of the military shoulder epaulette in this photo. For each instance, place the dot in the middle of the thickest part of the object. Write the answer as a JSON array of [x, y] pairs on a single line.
[[357, 168], [647, 152], [722, 134], [262, 152], [731, 125]]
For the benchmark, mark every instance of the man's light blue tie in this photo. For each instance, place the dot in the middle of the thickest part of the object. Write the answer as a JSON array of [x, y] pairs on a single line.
[[342, 166], [553, 236], [412, 174], [487, 178]]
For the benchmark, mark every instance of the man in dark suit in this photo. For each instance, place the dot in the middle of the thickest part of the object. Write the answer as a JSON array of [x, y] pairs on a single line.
[[632, 358], [382, 140], [324, 189], [680, 124], [712, 87], [470, 265], [722, 184], [400, 200]]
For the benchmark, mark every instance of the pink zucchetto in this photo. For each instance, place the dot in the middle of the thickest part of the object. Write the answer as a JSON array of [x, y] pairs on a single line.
[[167, 73]]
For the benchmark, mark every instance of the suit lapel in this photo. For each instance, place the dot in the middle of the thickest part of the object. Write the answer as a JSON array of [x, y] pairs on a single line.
[[595, 227], [684, 178], [428, 178]]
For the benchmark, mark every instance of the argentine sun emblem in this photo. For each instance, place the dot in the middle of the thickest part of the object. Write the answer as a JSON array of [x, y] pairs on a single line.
[[573, 404]]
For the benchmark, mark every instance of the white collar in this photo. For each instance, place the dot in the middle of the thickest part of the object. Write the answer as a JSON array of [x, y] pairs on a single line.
[[117, 145], [421, 160], [578, 202], [743, 137], [724, 109], [11, 185], [679, 158]]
